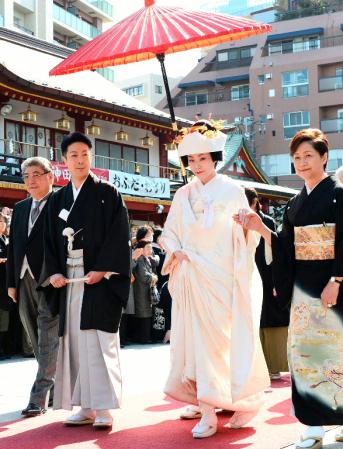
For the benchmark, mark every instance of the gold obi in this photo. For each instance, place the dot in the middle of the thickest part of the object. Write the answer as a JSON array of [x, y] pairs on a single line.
[[315, 242]]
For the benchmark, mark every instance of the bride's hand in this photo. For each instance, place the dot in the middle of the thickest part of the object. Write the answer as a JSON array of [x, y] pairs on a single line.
[[181, 256], [248, 219]]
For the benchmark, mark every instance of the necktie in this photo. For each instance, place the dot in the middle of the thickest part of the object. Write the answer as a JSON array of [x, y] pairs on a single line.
[[35, 210]]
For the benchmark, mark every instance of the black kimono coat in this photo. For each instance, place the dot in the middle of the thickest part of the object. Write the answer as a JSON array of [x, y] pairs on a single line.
[[5, 301], [272, 315], [101, 214]]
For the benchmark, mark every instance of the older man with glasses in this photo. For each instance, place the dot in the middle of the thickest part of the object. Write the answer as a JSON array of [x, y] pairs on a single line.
[[24, 265]]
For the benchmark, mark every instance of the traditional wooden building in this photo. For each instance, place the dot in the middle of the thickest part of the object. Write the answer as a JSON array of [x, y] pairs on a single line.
[[240, 164], [36, 110]]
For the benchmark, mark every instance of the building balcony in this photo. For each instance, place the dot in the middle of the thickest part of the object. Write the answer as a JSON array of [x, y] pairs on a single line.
[[96, 8], [215, 65], [332, 125], [289, 47], [13, 153], [212, 97], [25, 6], [104, 6], [330, 83], [70, 22], [24, 29]]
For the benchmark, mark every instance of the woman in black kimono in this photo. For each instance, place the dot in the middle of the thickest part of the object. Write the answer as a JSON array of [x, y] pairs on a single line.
[[5, 300], [308, 271]]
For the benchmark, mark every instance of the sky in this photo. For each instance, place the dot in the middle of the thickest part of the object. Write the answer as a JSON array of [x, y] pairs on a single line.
[[177, 65]]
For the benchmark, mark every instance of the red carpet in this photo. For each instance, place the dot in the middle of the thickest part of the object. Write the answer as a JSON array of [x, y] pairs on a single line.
[[151, 422]]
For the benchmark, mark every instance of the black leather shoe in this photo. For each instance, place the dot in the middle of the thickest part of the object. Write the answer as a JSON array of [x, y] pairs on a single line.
[[33, 410]]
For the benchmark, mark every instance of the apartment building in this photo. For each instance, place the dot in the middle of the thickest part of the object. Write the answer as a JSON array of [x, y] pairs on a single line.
[[70, 23], [272, 86], [242, 8], [148, 88]]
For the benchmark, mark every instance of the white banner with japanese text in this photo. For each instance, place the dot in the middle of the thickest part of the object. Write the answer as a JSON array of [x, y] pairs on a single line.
[[132, 184]]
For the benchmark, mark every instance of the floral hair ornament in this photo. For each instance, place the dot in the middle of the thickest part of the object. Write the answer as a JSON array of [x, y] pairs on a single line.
[[203, 137], [70, 234]]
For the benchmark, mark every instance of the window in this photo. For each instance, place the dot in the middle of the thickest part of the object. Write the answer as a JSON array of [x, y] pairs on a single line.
[[193, 98], [107, 74], [306, 43], [294, 45], [294, 122], [35, 140], [108, 155], [339, 78], [276, 164], [335, 159], [114, 156], [142, 156], [240, 92], [222, 56], [235, 54], [158, 89], [275, 48], [135, 91], [295, 84], [261, 79], [271, 93], [129, 155], [247, 52], [340, 120]]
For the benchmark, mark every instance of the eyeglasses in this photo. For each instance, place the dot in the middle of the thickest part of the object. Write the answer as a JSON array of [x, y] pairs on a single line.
[[34, 176]]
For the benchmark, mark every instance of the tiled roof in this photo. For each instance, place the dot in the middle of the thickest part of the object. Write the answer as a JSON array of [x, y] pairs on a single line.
[[87, 84]]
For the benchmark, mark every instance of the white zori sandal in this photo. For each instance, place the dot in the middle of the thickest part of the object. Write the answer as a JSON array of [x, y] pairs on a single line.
[[191, 412], [207, 426], [311, 439], [313, 443], [339, 435]]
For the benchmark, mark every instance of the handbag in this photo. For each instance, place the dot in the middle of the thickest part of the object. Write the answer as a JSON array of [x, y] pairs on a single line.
[[154, 295]]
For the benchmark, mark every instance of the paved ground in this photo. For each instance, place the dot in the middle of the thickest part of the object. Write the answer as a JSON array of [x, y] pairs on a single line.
[[151, 362], [17, 376]]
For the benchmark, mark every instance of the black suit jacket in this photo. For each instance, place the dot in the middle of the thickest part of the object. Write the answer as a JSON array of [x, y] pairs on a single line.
[[22, 244]]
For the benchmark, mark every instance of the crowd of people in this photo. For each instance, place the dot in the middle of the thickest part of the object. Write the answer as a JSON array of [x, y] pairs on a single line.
[[147, 316], [207, 282]]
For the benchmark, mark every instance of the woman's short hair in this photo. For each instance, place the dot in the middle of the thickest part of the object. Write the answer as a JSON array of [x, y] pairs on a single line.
[[251, 194], [37, 161], [315, 137], [142, 232], [157, 234]]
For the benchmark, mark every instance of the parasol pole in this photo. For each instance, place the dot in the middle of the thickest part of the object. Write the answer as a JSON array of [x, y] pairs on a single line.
[[160, 57]]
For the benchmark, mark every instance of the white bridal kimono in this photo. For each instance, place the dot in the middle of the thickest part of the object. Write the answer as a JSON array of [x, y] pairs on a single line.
[[216, 354]]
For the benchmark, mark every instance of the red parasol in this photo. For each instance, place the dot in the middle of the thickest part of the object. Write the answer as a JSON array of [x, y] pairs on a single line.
[[155, 31]]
